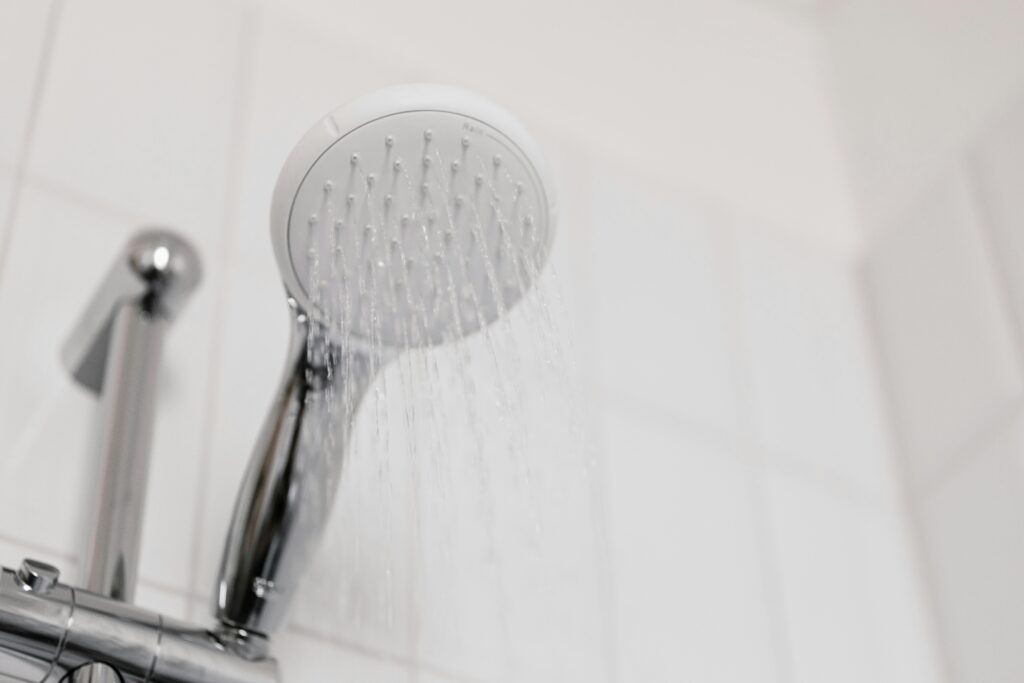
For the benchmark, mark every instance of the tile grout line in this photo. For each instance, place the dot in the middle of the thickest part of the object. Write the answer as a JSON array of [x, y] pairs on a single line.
[[34, 547], [25, 150], [770, 576], [922, 569], [720, 439], [966, 452], [90, 203], [239, 125], [410, 663], [598, 472], [72, 559], [980, 220]]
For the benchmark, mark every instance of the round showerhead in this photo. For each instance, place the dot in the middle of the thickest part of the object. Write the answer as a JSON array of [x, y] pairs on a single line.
[[412, 216]]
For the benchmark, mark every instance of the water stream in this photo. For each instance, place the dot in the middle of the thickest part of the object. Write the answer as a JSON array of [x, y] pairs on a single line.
[[464, 537]]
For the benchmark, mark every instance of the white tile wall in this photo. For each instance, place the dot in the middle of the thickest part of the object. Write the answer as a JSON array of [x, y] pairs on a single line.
[[946, 338], [140, 118], [695, 531], [852, 594], [813, 384], [945, 287], [690, 599], [972, 529], [310, 659], [22, 34], [659, 311], [997, 174], [914, 82], [6, 191], [12, 552]]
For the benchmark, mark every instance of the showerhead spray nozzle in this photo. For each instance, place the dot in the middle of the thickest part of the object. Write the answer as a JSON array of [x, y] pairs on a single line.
[[412, 217]]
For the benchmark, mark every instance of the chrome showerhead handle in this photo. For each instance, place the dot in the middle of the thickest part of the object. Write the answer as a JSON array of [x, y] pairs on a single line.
[[415, 216], [288, 490]]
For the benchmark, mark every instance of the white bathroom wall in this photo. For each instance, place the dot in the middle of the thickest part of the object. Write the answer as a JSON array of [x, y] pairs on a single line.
[[944, 285], [803, 426], [934, 115], [915, 81]]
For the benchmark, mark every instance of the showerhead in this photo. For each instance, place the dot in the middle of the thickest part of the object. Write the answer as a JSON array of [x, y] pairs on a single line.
[[412, 216]]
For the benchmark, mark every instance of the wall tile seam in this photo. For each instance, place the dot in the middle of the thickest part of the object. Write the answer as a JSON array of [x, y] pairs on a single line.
[[412, 663], [825, 480], [955, 161], [967, 180], [42, 75], [593, 439], [98, 206], [950, 457], [897, 438], [68, 564], [40, 548], [770, 564], [972, 450], [843, 129], [969, 172], [749, 451], [598, 476]]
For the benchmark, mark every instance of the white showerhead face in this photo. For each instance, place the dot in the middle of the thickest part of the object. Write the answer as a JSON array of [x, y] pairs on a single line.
[[413, 216]]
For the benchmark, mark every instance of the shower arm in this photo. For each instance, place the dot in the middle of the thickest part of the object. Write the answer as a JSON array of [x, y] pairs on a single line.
[[289, 487]]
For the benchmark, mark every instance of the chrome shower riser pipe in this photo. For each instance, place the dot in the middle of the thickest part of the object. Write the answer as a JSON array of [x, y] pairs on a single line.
[[53, 632]]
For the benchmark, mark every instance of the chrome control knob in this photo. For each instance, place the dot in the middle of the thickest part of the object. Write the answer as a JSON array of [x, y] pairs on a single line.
[[37, 576]]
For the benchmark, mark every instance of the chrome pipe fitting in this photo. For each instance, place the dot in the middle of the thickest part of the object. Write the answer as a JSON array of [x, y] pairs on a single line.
[[50, 632], [114, 350]]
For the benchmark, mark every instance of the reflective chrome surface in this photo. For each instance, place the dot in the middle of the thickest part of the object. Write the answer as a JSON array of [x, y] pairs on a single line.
[[65, 632], [115, 351], [289, 488], [51, 632]]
